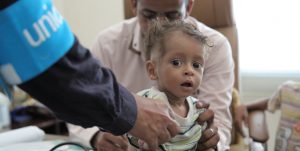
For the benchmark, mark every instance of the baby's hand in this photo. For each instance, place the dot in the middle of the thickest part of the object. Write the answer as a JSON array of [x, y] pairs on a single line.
[[207, 115], [204, 125]]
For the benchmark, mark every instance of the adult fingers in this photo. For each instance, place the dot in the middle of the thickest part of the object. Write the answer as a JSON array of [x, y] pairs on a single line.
[[107, 146], [108, 141], [211, 144], [209, 139], [173, 126], [119, 142], [241, 116], [154, 123], [152, 145], [208, 133]]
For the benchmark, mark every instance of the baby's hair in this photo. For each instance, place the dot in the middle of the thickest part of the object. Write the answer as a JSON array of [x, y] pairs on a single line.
[[159, 29]]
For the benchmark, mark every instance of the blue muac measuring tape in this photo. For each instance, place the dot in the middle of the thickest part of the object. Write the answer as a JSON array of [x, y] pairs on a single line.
[[33, 37]]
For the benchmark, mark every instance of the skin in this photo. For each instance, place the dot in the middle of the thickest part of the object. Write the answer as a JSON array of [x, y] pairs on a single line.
[[181, 64], [146, 10], [107, 141]]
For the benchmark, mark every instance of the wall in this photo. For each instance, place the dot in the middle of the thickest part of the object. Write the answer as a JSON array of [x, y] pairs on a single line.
[[88, 19]]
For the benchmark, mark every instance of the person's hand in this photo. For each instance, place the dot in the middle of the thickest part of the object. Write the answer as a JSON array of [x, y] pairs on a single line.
[[106, 142], [241, 115], [154, 123], [210, 136], [209, 139]]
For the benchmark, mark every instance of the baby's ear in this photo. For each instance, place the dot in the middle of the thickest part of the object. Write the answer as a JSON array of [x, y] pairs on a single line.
[[150, 66]]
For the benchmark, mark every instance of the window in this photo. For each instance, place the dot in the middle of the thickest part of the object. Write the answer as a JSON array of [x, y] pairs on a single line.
[[269, 35]]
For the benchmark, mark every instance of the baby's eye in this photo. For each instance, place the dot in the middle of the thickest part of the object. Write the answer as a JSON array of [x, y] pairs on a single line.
[[197, 65], [176, 62]]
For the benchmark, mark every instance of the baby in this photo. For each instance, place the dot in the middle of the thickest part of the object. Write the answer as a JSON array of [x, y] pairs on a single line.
[[176, 53]]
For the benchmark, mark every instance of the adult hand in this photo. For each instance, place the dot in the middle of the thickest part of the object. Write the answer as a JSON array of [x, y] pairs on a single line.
[[154, 123], [106, 141], [241, 115], [210, 136]]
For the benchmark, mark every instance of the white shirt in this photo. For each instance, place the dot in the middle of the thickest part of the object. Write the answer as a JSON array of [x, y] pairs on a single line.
[[120, 48], [190, 131]]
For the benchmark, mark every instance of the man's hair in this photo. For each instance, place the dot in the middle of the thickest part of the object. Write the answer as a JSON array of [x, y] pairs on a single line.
[[185, 1], [158, 30]]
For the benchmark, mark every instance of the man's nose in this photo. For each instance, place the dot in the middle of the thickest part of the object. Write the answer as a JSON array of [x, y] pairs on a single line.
[[161, 17]]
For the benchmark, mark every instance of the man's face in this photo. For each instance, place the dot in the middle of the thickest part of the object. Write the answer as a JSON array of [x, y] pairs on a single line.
[[148, 10]]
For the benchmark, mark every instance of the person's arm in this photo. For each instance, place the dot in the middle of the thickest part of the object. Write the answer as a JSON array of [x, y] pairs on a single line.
[[242, 111], [86, 134], [78, 84], [260, 104]]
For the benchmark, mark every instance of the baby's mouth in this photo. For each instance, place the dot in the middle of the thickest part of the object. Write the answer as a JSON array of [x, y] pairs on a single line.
[[187, 84]]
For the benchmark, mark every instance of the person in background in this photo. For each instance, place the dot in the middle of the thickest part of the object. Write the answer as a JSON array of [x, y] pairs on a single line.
[[41, 55], [121, 49], [287, 99]]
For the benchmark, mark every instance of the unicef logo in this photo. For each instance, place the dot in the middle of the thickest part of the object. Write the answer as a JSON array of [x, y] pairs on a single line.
[[42, 28]]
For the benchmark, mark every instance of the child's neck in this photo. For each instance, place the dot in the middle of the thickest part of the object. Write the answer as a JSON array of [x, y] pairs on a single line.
[[175, 101], [178, 105]]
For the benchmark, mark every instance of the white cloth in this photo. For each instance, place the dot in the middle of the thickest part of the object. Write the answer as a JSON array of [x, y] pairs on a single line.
[[190, 131], [81, 135], [21, 135], [120, 48]]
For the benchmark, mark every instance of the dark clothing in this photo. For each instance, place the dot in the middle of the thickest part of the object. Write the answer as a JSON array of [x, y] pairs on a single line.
[[82, 92]]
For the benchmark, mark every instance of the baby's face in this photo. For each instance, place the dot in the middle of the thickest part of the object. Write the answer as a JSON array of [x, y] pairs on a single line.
[[180, 69]]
